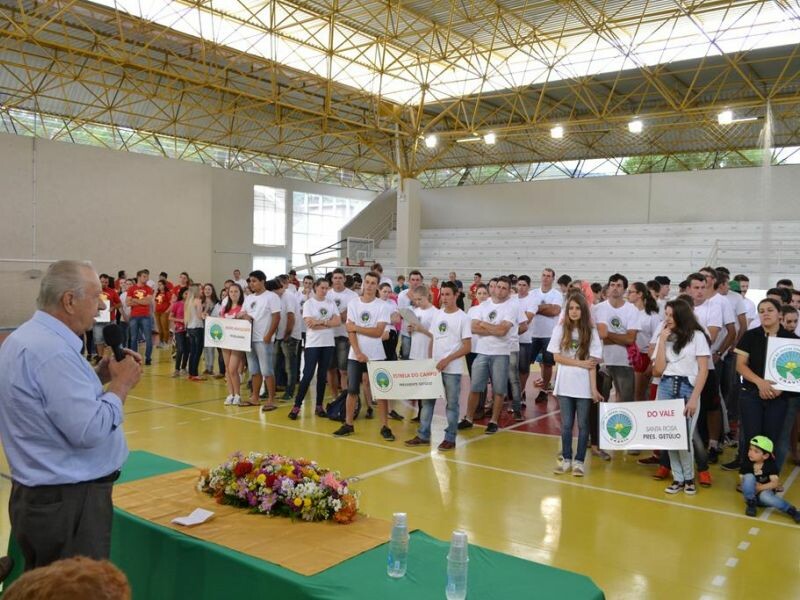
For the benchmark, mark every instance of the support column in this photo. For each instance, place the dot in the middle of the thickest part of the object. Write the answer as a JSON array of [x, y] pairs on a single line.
[[409, 212]]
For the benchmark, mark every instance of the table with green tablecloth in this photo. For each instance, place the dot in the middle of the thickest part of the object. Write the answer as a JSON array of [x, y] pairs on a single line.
[[164, 563]]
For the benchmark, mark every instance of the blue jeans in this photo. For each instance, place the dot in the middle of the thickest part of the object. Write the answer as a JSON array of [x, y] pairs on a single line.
[[141, 326], [195, 335], [452, 391], [405, 347], [513, 381], [181, 351], [288, 349], [497, 364], [319, 359], [765, 498], [784, 444], [681, 461], [261, 359], [569, 408]]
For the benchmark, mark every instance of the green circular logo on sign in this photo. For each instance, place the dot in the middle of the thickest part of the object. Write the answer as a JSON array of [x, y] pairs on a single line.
[[383, 380], [216, 332], [786, 363], [619, 426]]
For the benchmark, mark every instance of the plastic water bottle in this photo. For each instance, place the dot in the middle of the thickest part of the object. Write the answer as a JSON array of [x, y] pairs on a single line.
[[397, 561], [457, 563]]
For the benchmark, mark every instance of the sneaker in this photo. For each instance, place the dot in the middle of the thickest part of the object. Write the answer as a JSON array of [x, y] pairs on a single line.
[[393, 414], [320, 412], [464, 423], [578, 469], [689, 488], [676, 487], [237, 401], [713, 455], [294, 412], [286, 396], [387, 434], [518, 416], [344, 430], [731, 440], [751, 510], [148, 362], [229, 400], [661, 473], [176, 374], [491, 428], [184, 372], [562, 467], [601, 454], [794, 514], [417, 441], [734, 465], [650, 460], [445, 445], [370, 414], [704, 477]]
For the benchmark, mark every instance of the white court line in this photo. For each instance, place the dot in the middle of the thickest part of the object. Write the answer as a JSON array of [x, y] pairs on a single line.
[[718, 581], [743, 546], [731, 562], [786, 485], [427, 455]]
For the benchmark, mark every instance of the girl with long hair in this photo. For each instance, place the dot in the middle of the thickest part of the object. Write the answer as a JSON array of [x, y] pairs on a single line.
[[650, 319], [177, 314], [233, 358], [193, 314], [576, 347], [680, 359], [209, 303], [163, 300]]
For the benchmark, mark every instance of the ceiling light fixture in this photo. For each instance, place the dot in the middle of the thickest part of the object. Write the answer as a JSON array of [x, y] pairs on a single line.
[[474, 138], [557, 132], [431, 141], [490, 138], [635, 126], [725, 117]]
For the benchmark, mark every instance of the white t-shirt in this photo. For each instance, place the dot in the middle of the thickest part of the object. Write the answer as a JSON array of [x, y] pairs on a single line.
[[289, 304], [403, 301], [474, 313], [573, 381], [738, 305], [620, 321], [368, 314], [542, 327], [341, 300], [495, 314], [647, 326], [752, 313], [321, 311], [513, 334], [262, 308], [301, 301], [242, 284], [449, 332], [528, 305], [708, 315], [421, 343], [684, 364]]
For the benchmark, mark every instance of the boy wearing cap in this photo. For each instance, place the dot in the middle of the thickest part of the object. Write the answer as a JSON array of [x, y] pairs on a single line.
[[759, 476]]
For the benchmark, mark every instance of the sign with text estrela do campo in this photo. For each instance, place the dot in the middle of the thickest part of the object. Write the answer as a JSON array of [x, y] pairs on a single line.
[[405, 380], [651, 425]]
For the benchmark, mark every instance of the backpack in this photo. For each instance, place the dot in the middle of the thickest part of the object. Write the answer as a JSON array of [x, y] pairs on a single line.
[[337, 407]]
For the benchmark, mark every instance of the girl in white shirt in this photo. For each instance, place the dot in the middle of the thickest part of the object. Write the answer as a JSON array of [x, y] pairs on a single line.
[[576, 347], [320, 316], [681, 360], [649, 320]]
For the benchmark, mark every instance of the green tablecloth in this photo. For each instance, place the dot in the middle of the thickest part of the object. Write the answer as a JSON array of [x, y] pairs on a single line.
[[164, 564]]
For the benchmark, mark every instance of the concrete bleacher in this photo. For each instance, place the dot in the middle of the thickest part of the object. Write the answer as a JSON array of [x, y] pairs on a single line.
[[594, 252]]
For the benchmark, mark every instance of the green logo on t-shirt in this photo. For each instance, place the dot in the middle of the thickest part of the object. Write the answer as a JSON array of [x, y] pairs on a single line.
[[492, 315], [443, 327], [365, 317], [615, 322], [323, 312]]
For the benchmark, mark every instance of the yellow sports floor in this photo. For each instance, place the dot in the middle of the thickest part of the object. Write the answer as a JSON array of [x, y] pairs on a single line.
[[615, 525]]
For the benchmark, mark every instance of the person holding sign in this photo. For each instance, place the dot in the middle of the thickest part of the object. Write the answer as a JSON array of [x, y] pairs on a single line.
[[320, 316], [681, 359], [367, 318], [762, 407], [576, 347], [232, 358]]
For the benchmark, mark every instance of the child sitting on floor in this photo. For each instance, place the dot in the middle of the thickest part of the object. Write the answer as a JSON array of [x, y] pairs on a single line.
[[759, 476]]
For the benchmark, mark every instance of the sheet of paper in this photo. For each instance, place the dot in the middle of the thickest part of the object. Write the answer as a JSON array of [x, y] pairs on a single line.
[[199, 515], [409, 317]]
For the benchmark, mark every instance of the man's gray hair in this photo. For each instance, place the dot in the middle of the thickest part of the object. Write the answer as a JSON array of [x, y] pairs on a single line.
[[62, 277]]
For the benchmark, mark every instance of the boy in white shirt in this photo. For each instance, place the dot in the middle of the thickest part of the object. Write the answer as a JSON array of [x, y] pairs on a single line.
[[367, 318], [547, 302], [452, 339], [341, 296], [405, 300]]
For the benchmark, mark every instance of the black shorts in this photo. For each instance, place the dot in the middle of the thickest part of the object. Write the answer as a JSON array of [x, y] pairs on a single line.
[[355, 372], [540, 345], [710, 396]]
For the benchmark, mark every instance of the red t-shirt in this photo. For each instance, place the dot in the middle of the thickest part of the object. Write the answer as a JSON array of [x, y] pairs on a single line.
[[435, 291], [472, 290], [230, 313], [177, 312], [111, 298], [140, 292], [163, 300]]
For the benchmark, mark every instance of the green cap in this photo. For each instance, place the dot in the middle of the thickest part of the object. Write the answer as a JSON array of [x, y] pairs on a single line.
[[734, 286], [763, 443]]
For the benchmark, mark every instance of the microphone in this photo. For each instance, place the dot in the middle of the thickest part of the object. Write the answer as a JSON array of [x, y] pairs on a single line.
[[112, 336]]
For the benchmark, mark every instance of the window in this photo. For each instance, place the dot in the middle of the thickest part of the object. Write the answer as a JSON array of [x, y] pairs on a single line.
[[271, 265], [316, 221], [269, 216]]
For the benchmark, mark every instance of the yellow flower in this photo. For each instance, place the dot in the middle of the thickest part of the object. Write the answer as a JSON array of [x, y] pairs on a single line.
[[261, 479], [298, 501], [307, 502]]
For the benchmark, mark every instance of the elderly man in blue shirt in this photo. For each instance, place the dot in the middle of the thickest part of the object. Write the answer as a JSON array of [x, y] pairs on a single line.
[[61, 431]]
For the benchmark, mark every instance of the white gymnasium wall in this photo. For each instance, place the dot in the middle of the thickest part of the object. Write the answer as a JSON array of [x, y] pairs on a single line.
[[124, 211], [721, 195]]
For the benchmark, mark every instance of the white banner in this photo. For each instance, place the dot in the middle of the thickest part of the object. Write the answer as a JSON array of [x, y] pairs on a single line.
[[104, 316], [783, 363], [405, 380], [651, 425], [233, 334]]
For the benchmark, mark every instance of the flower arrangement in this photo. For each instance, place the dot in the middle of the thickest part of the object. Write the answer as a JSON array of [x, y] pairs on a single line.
[[273, 484]]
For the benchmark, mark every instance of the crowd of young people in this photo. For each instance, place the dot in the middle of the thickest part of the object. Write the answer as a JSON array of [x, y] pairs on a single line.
[[706, 345]]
